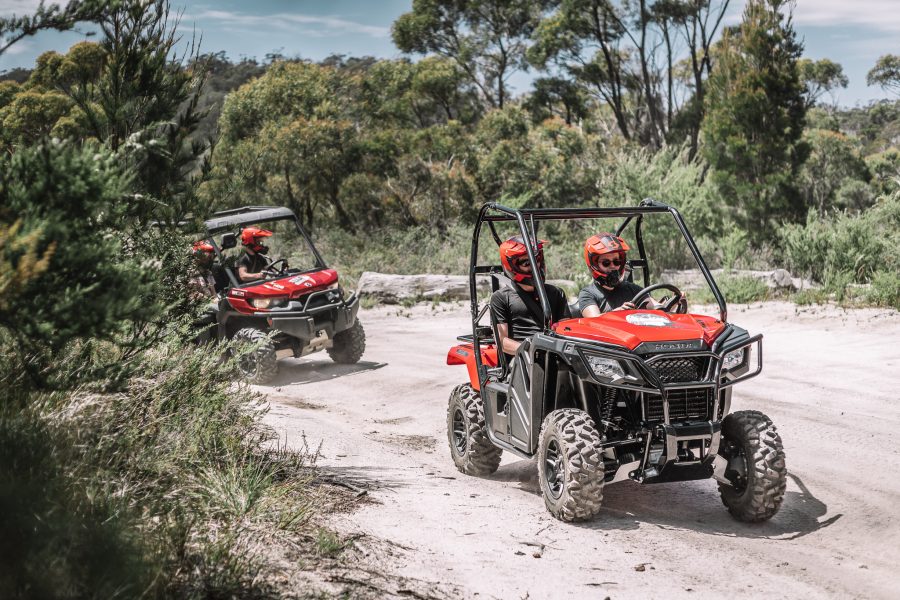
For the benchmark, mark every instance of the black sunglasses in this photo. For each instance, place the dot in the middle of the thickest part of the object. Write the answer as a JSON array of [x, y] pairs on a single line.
[[606, 262]]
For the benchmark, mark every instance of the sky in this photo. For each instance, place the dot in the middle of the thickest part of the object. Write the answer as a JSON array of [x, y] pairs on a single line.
[[853, 33]]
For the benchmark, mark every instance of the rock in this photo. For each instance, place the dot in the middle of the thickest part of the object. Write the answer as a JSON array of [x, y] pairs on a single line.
[[692, 279], [393, 289], [780, 278]]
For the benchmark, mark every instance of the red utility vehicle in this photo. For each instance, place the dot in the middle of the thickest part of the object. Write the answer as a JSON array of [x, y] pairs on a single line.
[[643, 395], [299, 306]]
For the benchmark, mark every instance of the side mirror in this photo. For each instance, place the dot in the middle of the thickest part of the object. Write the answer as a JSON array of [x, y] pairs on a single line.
[[229, 240]]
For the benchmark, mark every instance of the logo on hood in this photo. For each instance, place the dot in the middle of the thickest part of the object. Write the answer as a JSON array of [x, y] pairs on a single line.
[[302, 280], [648, 320]]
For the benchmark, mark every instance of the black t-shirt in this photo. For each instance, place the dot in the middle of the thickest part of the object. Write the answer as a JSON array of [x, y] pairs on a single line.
[[254, 263], [605, 299], [509, 307], [220, 277]]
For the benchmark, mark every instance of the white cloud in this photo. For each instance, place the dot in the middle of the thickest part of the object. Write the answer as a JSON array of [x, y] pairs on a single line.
[[327, 25], [20, 7], [21, 47], [883, 15], [879, 14]]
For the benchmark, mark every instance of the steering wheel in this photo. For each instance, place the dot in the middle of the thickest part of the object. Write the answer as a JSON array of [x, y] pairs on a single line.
[[271, 266], [673, 302]]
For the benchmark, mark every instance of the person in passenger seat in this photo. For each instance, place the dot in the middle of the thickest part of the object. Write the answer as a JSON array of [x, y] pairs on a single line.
[[517, 309]]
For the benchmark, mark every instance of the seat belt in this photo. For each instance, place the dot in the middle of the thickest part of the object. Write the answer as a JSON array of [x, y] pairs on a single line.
[[604, 306], [533, 307]]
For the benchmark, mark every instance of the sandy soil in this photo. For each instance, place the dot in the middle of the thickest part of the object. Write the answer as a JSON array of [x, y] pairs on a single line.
[[830, 382]]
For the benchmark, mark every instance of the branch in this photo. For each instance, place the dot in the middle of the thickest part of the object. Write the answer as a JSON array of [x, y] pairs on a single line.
[[14, 29]]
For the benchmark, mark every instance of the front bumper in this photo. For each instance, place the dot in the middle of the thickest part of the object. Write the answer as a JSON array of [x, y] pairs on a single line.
[[332, 318]]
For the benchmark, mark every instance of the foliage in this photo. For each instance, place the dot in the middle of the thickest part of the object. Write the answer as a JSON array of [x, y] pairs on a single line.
[[222, 77], [735, 290], [876, 126], [820, 77], [22, 262], [150, 490], [886, 73], [885, 169], [485, 38], [648, 62], [130, 464], [129, 92], [885, 289], [845, 248], [66, 202], [833, 162], [755, 118], [53, 16]]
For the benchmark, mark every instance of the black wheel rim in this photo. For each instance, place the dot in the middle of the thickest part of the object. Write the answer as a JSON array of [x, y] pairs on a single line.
[[247, 363], [459, 431], [553, 469], [738, 466]]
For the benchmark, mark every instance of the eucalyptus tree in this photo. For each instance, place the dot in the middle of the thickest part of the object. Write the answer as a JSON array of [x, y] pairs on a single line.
[[648, 61], [755, 119], [487, 39], [886, 73]]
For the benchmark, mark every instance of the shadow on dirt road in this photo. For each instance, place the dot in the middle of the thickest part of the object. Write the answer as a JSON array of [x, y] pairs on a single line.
[[300, 372], [692, 505]]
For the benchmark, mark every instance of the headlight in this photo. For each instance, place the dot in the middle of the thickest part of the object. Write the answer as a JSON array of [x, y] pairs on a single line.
[[605, 368], [333, 286], [733, 359], [268, 302]]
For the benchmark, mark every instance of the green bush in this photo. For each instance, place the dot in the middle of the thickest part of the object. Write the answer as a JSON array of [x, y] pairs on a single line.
[[154, 489], [846, 248], [736, 290], [885, 290]]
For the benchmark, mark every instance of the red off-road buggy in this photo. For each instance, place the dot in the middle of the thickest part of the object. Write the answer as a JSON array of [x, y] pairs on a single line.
[[298, 308], [633, 394]]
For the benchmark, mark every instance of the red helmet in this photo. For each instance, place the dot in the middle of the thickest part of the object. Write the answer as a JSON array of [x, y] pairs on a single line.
[[513, 254], [203, 252], [250, 237], [600, 244], [202, 246]]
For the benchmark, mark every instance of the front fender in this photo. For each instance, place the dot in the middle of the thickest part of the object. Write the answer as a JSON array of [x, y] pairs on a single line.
[[464, 354]]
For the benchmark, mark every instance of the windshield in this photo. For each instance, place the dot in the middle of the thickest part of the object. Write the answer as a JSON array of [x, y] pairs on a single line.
[[658, 252], [286, 242]]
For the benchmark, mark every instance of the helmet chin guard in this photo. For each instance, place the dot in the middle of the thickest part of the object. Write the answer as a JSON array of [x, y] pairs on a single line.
[[595, 247]]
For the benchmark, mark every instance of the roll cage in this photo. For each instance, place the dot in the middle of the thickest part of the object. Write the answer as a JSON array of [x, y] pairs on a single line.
[[228, 220], [527, 218]]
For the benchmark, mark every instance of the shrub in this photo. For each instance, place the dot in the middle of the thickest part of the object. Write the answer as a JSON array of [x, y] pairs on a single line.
[[846, 248], [885, 290], [168, 487]]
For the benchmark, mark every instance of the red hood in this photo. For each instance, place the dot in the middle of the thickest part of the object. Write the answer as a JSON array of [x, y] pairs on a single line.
[[625, 328], [292, 286]]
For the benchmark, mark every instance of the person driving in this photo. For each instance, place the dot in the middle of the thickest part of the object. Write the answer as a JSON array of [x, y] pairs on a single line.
[[252, 264], [605, 255], [517, 309]]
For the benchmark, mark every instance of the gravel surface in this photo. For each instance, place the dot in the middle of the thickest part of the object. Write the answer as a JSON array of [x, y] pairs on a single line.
[[830, 383]]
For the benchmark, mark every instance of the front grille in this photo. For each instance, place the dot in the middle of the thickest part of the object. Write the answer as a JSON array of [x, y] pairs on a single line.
[[683, 404], [679, 369]]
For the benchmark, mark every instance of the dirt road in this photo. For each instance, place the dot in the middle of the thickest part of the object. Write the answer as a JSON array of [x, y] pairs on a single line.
[[831, 382]]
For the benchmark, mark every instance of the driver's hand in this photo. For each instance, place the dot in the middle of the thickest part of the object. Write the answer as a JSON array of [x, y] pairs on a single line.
[[626, 306]]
